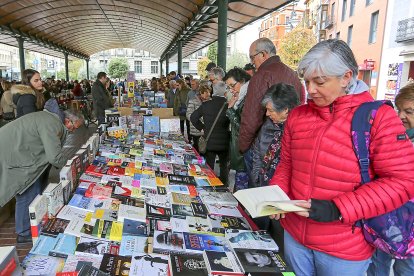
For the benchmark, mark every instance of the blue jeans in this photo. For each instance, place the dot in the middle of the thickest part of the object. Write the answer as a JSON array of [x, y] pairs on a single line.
[[381, 265], [22, 207], [248, 162], [305, 261]]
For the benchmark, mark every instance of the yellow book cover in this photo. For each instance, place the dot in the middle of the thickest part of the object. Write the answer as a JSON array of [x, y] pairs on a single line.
[[136, 192], [138, 164], [116, 231], [161, 181], [215, 181], [130, 171]]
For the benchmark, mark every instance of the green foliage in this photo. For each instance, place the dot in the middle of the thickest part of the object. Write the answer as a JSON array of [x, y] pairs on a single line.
[[74, 67], [212, 52], [118, 67], [61, 75], [201, 67], [94, 68], [236, 59], [295, 45]]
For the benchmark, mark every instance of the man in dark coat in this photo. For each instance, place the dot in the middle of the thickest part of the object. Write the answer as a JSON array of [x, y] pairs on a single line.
[[100, 97], [270, 70]]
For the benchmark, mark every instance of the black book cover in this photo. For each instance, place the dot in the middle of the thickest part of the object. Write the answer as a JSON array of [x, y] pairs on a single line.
[[115, 264], [187, 265], [253, 260], [199, 209], [55, 226], [157, 212], [89, 270]]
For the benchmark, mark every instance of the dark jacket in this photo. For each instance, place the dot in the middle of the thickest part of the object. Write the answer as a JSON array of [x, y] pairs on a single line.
[[220, 136], [24, 97], [259, 149], [180, 102], [271, 72], [170, 98], [100, 99], [236, 158]]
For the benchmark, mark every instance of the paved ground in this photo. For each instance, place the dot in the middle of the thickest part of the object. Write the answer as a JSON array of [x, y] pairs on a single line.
[[74, 141]]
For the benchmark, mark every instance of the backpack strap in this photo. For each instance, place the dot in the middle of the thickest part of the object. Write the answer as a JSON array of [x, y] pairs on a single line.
[[360, 130]]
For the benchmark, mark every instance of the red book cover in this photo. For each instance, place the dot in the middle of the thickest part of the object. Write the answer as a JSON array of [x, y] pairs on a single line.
[[116, 171], [98, 191]]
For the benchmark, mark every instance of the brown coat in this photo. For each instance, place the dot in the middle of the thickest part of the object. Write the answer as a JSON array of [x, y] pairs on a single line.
[[271, 72]]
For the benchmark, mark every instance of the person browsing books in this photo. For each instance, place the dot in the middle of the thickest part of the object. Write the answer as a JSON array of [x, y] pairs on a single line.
[[29, 145], [318, 164]]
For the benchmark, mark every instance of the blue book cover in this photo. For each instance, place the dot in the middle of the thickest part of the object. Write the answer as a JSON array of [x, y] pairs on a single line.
[[79, 201], [43, 245], [134, 228], [130, 245], [65, 245], [201, 182], [151, 124], [201, 242]]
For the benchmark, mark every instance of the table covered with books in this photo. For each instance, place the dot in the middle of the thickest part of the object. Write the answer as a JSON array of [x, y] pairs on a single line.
[[144, 203]]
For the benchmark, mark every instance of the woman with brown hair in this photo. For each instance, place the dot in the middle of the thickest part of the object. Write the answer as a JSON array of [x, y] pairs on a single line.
[[180, 106], [28, 96]]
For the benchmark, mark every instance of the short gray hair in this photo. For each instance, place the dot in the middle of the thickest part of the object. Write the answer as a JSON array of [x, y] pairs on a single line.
[[171, 82], [265, 45], [330, 57], [73, 115], [282, 96], [219, 89], [218, 73]]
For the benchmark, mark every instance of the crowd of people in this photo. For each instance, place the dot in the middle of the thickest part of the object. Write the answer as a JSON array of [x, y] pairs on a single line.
[[263, 123]]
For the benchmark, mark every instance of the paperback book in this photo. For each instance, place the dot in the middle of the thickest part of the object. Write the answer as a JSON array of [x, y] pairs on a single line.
[[201, 242], [187, 265], [149, 264], [165, 242], [250, 239], [39, 215], [221, 263], [261, 261]]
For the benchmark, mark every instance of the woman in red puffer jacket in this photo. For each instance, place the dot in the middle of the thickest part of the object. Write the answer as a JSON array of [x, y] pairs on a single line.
[[318, 164]]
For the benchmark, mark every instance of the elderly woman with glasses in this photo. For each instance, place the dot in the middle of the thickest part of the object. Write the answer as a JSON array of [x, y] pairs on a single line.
[[237, 81], [318, 164]]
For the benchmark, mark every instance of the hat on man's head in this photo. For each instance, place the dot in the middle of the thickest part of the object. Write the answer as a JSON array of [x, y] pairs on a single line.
[[248, 66], [210, 66]]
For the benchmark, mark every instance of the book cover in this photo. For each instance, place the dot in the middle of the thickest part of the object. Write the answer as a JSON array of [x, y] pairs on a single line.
[[151, 124], [76, 226], [90, 246], [157, 212], [149, 264], [80, 202], [65, 245], [170, 125], [69, 212], [163, 225], [221, 263], [229, 222], [97, 169], [54, 226], [210, 197], [75, 262], [116, 231], [66, 190], [181, 199], [54, 195], [201, 242], [168, 241], [66, 174], [182, 211], [89, 178], [134, 228], [43, 245], [223, 210], [34, 264], [187, 265], [179, 225], [254, 260], [158, 200], [115, 265], [39, 215], [131, 245], [250, 239], [199, 209], [98, 191], [176, 179], [105, 214], [199, 225], [89, 270]]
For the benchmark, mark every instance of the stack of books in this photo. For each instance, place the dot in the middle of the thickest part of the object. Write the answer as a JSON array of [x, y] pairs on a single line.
[[146, 204]]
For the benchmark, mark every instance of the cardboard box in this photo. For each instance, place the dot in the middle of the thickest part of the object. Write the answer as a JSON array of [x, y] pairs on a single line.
[[163, 113]]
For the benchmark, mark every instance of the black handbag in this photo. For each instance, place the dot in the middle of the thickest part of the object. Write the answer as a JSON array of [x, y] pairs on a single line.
[[8, 116], [202, 142]]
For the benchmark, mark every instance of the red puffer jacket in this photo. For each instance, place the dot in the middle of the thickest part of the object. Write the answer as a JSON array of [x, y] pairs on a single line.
[[317, 161]]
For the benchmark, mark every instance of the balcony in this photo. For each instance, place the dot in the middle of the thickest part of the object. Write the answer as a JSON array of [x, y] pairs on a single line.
[[328, 23], [405, 31], [322, 35]]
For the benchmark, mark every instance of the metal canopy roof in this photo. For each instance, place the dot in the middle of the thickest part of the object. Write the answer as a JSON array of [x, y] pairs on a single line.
[[84, 27]]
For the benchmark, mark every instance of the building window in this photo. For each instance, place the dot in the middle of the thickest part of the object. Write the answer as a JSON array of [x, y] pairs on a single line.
[[349, 40], [200, 53], [338, 35], [154, 67], [369, 2], [344, 5], [374, 27], [138, 66], [333, 11], [287, 20], [186, 65], [352, 8], [277, 20]]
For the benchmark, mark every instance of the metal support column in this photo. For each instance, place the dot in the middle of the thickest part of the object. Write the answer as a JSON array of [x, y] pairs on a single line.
[[167, 64], [161, 67], [87, 69], [222, 34], [180, 56], [66, 66], [20, 41]]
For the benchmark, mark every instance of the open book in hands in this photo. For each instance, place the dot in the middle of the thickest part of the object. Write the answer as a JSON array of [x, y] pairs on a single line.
[[266, 201]]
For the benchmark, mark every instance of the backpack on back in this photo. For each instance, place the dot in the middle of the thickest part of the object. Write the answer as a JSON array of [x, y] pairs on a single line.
[[392, 232]]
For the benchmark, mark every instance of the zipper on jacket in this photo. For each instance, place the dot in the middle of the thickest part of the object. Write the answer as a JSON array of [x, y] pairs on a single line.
[[312, 176]]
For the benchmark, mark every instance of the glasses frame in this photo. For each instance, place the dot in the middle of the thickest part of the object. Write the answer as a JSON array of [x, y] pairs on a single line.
[[254, 56]]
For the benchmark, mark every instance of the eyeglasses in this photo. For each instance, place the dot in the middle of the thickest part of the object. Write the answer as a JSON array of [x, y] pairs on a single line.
[[253, 56], [231, 86]]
